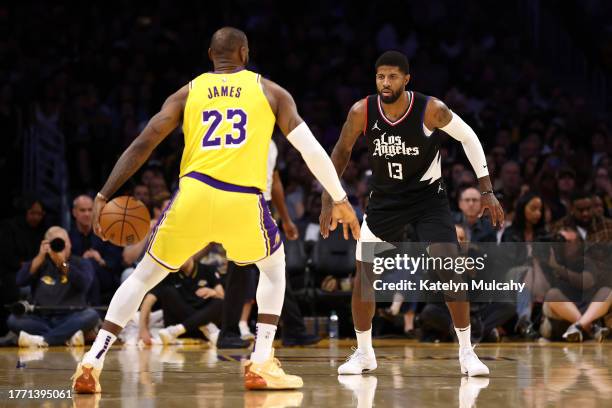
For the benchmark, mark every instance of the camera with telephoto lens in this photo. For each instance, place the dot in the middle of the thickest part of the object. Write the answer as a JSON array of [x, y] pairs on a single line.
[[57, 245], [22, 307]]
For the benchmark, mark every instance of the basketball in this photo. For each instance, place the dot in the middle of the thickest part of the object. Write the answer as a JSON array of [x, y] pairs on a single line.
[[125, 221]]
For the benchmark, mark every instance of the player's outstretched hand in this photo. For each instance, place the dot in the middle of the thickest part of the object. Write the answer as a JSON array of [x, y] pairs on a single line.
[[489, 202], [99, 204], [344, 214]]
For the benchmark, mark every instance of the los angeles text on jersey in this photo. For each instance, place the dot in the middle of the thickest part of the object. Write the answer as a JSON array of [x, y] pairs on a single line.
[[391, 146]]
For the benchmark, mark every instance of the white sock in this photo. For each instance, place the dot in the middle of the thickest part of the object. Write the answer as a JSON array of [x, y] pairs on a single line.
[[364, 340], [176, 330], [244, 327], [263, 342], [97, 352], [464, 336]]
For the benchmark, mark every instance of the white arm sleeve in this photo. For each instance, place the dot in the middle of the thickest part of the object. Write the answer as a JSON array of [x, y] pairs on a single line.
[[461, 131], [317, 160]]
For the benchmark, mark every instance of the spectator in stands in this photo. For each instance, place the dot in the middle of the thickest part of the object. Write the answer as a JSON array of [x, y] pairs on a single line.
[[510, 184], [476, 229], [57, 280], [602, 186], [566, 185], [528, 226], [192, 302], [599, 209], [579, 296], [20, 238], [104, 256], [141, 192], [581, 218]]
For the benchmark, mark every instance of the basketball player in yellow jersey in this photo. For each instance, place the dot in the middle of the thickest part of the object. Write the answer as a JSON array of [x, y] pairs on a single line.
[[228, 117]]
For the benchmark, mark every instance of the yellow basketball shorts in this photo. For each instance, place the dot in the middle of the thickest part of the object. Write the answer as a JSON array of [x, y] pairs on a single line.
[[205, 210]]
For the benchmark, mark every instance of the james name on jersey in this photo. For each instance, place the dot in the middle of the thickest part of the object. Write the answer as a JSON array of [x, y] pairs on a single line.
[[230, 91], [391, 146]]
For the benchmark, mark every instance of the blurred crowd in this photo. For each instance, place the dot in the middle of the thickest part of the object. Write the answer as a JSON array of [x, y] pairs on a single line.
[[549, 150]]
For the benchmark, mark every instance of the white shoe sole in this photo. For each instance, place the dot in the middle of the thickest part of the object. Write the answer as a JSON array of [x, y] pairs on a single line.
[[476, 373], [355, 372]]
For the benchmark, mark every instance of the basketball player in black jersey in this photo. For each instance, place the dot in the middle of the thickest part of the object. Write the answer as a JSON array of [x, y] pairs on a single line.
[[406, 189]]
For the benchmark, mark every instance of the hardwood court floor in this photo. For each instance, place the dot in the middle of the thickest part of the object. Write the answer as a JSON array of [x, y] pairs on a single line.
[[409, 375]]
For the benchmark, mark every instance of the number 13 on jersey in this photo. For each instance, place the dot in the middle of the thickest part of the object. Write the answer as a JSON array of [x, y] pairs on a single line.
[[236, 117], [395, 171]]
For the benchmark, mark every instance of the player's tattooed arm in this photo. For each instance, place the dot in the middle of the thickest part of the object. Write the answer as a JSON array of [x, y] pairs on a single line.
[[158, 128], [351, 130], [437, 114]]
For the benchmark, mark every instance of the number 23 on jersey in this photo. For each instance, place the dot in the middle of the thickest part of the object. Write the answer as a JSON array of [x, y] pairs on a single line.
[[217, 121]]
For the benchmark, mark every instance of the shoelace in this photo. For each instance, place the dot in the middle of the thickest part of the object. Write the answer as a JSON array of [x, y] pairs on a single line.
[[356, 354], [468, 352]]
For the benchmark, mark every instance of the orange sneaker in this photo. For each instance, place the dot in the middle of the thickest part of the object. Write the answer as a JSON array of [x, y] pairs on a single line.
[[269, 376], [85, 379]]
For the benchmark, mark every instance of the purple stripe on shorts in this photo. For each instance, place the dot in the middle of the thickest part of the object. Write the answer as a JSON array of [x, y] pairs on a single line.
[[273, 236], [222, 185]]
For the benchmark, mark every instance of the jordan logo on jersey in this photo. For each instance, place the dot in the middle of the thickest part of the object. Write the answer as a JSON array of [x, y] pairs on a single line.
[[391, 146], [375, 127]]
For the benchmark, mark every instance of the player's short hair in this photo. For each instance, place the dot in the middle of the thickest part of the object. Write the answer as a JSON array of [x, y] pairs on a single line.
[[393, 59], [227, 40]]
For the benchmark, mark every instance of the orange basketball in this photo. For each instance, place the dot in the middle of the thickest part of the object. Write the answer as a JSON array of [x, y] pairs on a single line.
[[125, 221]]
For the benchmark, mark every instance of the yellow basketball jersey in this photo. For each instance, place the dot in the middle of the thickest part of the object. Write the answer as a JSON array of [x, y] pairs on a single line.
[[228, 124]]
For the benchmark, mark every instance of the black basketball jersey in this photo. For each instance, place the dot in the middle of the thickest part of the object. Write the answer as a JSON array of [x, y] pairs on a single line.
[[405, 161]]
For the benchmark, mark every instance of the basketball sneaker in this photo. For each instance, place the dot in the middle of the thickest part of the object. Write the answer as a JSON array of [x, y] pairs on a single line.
[[573, 334], [470, 364], [77, 340], [31, 340], [359, 362], [169, 334], [86, 379], [269, 376]]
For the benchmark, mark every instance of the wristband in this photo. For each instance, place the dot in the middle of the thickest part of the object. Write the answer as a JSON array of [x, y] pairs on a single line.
[[344, 200], [483, 193]]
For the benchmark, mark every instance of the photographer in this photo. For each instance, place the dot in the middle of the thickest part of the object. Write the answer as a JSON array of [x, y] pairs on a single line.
[[579, 295], [56, 280]]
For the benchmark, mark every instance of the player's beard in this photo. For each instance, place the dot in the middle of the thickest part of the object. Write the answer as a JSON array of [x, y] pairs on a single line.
[[390, 98]]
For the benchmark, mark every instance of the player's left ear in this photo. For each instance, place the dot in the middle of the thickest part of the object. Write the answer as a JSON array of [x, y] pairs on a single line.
[[244, 55], [406, 79]]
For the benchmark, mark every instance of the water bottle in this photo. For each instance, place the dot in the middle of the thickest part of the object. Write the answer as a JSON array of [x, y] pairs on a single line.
[[333, 325]]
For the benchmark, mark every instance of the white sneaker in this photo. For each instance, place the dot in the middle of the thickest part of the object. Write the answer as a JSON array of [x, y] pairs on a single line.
[[77, 340], [359, 362], [211, 331], [168, 335], [470, 364], [469, 390], [30, 340]]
